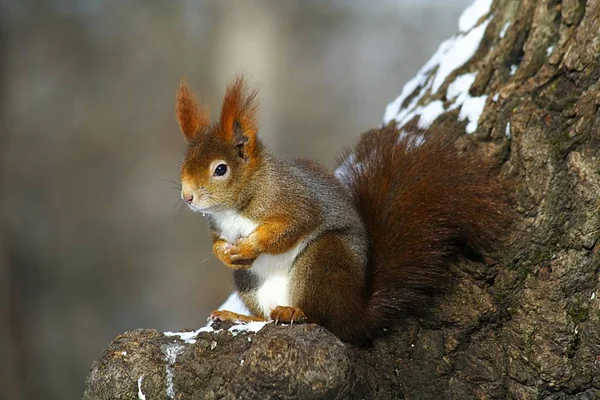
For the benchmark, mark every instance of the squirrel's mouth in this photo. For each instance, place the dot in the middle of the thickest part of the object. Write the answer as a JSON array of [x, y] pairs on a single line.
[[199, 208], [200, 203], [205, 208]]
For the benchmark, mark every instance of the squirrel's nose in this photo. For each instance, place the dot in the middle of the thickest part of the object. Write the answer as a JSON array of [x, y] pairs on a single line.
[[187, 197]]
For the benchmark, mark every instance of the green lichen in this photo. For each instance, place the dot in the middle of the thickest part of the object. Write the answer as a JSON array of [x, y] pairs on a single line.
[[523, 271], [539, 255], [578, 313], [502, 300], [560, 140]]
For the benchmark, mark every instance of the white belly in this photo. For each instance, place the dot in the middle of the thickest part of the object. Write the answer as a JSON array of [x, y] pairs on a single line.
[[274, 272], [232, 225]]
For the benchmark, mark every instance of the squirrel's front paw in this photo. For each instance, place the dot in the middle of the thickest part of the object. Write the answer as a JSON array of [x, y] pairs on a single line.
[[243, 252], [223, 251], [234, 256]]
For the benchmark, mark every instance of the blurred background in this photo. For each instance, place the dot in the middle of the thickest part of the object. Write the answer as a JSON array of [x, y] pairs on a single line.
[[93, 238]]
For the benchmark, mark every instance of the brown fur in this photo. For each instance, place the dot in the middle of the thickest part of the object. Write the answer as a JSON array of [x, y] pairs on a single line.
[[377, 241], [330, 287], [421, 205]]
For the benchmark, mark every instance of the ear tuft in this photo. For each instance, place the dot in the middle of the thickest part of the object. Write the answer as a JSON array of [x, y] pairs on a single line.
[[238, 116], [191, 116]]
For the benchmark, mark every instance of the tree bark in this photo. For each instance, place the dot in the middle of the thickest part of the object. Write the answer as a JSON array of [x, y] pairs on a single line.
[[526, 327]]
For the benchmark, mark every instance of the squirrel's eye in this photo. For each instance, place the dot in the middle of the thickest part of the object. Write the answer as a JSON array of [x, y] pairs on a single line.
[[220, 170]]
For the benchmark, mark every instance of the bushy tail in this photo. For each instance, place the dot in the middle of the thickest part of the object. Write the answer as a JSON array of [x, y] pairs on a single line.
[[422, 204]]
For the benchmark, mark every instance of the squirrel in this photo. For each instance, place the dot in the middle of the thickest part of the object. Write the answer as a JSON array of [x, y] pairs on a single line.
[[354, 251]]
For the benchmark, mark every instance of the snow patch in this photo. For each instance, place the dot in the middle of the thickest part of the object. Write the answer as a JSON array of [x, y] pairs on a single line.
[[253, 326], [461, 51], [190, 337], [235, 304], [141, 395], [507, 130], [171, 351], [549, 51], [429, 113], [496, 97], [473, 14], [471, 110], [458, 90], [504, 30], [393, 109], [593, 296], [412, 110], [513, 69], [470, 107], [451, 54]]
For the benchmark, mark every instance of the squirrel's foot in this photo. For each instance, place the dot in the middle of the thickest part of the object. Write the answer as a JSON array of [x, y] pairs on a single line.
[[224, 315], [287, 315]]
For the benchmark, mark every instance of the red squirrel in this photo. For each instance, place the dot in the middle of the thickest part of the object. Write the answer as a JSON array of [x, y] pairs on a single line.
[[354, 251]]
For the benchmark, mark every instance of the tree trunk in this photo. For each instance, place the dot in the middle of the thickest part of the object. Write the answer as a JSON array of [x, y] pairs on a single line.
[[521, 78]]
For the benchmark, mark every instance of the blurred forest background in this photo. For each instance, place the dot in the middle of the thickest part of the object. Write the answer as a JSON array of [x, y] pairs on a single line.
[[93, 238]]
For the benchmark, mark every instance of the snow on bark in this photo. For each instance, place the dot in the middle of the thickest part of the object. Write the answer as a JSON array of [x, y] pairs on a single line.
[[451, 55]]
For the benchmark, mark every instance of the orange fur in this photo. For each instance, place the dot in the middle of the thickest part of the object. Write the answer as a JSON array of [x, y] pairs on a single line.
[[274, 236], [271, 237], [223, 251], [224, 315], [240, 106], [191, 116]]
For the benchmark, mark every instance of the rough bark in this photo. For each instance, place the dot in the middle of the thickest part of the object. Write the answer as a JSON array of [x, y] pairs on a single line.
[[526, 327]]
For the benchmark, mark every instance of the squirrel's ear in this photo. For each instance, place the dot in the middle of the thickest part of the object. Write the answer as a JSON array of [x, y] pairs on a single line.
[[191, 116], [238, 117]]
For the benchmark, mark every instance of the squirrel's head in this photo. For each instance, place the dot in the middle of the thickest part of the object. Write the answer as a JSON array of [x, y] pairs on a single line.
[[221, 157]]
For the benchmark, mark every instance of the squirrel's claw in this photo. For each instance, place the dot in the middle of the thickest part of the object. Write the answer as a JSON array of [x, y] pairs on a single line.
[[287, 315], [230, 256], [242, 253], [225, 315]]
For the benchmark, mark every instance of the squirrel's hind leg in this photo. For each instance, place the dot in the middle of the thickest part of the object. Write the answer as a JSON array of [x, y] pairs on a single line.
[[328, 285]]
